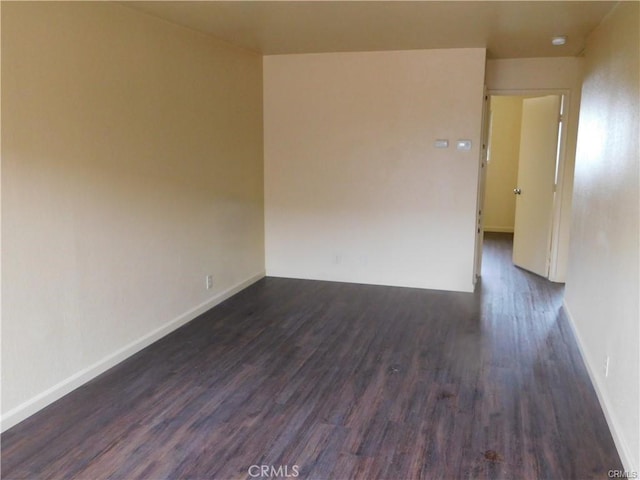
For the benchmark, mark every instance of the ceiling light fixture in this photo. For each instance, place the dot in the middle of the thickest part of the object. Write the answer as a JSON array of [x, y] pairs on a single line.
[[559, 40]]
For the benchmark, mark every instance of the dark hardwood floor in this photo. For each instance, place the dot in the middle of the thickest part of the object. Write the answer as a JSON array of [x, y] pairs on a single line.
[[341, 381]]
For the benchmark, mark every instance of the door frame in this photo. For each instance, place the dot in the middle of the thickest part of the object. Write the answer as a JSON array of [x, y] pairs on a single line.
[[561, 188], [482, 179]]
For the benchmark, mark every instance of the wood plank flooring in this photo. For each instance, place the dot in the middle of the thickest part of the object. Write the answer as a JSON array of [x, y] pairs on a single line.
[[341, 381]]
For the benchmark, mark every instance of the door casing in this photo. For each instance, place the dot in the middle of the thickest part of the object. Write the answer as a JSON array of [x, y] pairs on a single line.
[[482, 178]]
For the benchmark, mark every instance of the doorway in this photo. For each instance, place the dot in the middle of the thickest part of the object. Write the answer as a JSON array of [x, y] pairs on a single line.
[[524, 159]]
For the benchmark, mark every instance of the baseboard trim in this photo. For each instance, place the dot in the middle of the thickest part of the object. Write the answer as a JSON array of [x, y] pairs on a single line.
[[621, 446], [328, 278], [38, 402], [498, 229]]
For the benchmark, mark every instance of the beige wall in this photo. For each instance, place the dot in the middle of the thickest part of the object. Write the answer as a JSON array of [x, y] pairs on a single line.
[[523, 75], [603, 284], [502, 169], [131, 168], [354, 189]]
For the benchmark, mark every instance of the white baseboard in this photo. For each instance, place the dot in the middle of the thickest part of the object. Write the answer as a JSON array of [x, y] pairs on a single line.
[[621, 446], [38, 402], [365, 281], [498, 229]]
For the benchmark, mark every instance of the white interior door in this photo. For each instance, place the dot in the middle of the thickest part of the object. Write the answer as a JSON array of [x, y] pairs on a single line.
[[536, 183]]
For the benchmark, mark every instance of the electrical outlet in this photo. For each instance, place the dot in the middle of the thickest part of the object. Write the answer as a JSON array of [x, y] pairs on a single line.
[[606, 366], [208, 281]]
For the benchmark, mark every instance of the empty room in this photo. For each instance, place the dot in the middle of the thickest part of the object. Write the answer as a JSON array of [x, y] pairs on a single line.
[[320, 239]]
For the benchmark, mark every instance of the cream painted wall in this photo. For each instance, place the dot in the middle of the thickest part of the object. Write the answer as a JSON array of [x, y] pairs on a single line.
[[502, 169], [603, 284], [560, 73], [131, 168], [354, 189]]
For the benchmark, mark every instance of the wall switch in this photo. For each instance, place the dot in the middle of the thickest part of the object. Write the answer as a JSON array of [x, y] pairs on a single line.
[[463, 144], [208, 281], [606, 366], [441, 143]]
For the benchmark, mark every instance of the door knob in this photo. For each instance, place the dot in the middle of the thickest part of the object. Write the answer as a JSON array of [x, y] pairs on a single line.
[[517, 191]]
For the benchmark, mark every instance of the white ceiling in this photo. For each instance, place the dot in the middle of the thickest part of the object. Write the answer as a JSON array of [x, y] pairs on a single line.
[[508, 29]]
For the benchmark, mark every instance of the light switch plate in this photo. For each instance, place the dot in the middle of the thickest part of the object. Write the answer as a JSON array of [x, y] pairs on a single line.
[[441, 143], [463, 144]]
